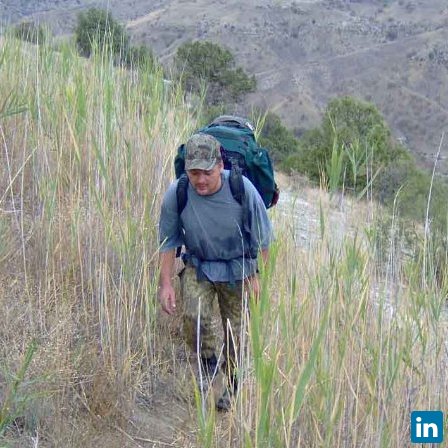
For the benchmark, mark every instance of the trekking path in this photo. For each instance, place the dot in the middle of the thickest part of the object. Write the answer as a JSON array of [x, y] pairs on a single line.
[[303, 202]]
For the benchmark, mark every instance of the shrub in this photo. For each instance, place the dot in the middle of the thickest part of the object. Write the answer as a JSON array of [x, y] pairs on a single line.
[[394, 177], [206, 64], [310, 157], [98, 29], [357, 132]]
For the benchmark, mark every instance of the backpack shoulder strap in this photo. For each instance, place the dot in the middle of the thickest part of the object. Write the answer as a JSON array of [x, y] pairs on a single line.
[[237, 184], [182, 197], [182, 193]]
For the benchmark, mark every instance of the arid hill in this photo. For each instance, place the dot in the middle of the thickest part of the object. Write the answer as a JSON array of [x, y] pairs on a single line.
[[391, 52]]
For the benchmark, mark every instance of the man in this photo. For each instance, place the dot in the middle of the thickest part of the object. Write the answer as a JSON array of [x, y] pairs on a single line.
[[219, 259]]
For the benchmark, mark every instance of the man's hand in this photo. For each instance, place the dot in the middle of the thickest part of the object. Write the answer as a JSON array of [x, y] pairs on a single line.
[[253, 285], [167, 299]]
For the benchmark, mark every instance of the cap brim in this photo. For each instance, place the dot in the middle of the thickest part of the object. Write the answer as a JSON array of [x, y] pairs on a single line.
[[199, 164]]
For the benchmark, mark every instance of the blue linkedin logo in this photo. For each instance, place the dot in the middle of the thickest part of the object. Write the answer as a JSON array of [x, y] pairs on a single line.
[[427, 427]]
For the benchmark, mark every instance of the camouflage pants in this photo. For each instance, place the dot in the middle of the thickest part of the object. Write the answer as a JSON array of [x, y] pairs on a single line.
[[230, 300]]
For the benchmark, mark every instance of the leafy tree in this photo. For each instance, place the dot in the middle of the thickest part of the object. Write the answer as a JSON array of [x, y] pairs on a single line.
[[354, 121], [98, 29], [238, 82], [357, 134], [203, 63]]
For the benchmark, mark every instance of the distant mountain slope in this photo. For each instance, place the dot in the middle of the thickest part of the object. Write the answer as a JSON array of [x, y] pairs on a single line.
[[393, 53]]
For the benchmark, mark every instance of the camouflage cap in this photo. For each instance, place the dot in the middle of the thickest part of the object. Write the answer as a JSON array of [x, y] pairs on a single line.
[[202, 152]]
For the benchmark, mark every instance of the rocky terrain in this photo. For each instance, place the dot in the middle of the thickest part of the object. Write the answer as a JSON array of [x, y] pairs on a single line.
[[391, 52]]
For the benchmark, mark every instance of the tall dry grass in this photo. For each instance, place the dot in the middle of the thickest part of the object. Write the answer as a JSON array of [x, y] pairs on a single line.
[[345, 341], [86, 154], [339, 349]]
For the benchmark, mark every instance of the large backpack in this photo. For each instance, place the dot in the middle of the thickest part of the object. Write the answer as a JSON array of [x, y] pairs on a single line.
[[241, 155]]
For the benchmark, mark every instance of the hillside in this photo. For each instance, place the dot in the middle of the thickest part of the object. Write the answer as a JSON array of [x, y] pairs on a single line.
[[345, 340], [393, 53]]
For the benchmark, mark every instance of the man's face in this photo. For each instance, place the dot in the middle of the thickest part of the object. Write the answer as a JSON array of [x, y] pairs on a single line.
[[206, 182]]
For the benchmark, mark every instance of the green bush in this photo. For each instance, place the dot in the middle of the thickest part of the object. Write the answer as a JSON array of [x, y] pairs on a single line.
[[395, 176], [310, 157], [414, 196], [237, 82], [204, 64], [355, 122], [98, 29], [355, 133]]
